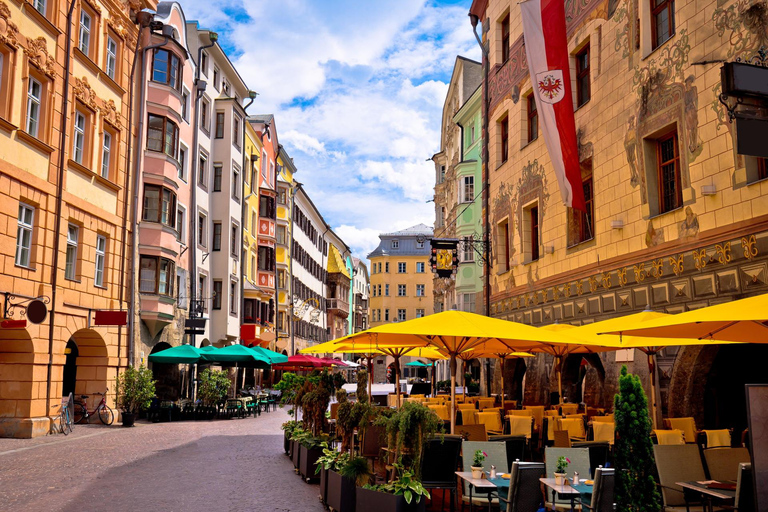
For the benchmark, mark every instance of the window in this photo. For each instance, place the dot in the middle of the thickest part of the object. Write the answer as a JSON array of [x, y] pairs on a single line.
[[468, 301], [235, 240], [159, 205], [78, 141], [467, 251], [219, 125], [162, 135], [281, 279], [157, 275], [662, 21], [204, 63], [668, 167], [379, 290], [216, 236], [41, 6], [504, 243], [217, 291], [467, 189], [202, 234], [202, 171], [253, 268], [181, 287], [419, 244], [85, 32], [533, 118], [762, 168], [217, 170], [204, 115], [386, 267], [236, 131], [106, 154], [181, 228], [282, 197], [401, 290], [166, 68], [264, 166], [233, 297], [420, 290], [183, 163], [73, 237], [420, 265], [101, 255], [386, 290], [395, 245], [281, 234], [236, 184], [216, 78], [111, 59], [588, 217], [504, 136], [583, 90], [505, 39], [185, 105], [203, 291], [419, 313], [34, 101], [401, 315], [24, 235], [534, 233], [401, 267], [255, 228], [386, 315]]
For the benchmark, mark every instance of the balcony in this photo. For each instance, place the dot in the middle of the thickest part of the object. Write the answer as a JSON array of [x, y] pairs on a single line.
[[338, 307]]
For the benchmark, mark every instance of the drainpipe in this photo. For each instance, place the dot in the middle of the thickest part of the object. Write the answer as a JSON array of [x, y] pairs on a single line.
[[294, 188], [59, 200], [136, 182], [243, 211]]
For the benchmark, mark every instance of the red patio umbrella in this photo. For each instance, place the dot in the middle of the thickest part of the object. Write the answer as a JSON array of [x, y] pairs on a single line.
[[304, 362]]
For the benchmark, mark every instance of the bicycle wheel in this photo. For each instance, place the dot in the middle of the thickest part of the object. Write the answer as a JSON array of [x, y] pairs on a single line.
[[80, 413], [106, 415], [63, 423], [68, 420]]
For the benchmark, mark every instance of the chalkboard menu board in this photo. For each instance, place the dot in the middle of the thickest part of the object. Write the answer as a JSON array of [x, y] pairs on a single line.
[[757, 412]]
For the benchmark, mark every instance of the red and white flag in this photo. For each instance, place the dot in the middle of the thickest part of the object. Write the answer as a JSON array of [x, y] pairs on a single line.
[[546, 47]]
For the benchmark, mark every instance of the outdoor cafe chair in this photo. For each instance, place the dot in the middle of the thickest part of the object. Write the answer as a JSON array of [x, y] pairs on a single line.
[[687, 425], [574, 426], [372, 442], [472, 432], [524, 487], [492, 421], [497, 456], [516, 447], [723, 463], [485, 403], [679, 463], [520, 426], [561, 439], [598, 453], [602, 492], [669, 437], [441, 411], [608, 418], [510, 405], [745, 494], [604, 432], [567, 409], [439, 461], [717, 438], [468, 416], [579, 458]]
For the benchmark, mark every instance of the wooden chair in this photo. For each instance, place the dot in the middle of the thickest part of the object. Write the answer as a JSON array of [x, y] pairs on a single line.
[[678, 463], [561, 439]]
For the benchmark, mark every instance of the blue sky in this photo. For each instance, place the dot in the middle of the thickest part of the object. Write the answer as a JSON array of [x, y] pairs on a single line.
[[357, 88]]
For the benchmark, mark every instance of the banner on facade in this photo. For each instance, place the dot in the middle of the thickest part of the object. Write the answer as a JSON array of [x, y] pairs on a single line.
[[444, 258], [108, 317], [546, 47]]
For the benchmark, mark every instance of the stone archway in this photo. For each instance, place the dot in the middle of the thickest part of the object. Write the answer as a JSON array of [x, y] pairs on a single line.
[[92, 374], [166, 375], [514, 377], [22, 412]]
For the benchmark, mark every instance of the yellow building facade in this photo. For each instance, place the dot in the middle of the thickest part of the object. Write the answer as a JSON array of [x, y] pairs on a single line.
[[676, 216]]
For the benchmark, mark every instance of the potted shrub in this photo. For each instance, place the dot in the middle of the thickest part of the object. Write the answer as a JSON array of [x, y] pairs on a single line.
[[342, 481], [135, 391], [405, 494], [288, 428], [329, 460], [560, 469], [477, 463], [213, 389]]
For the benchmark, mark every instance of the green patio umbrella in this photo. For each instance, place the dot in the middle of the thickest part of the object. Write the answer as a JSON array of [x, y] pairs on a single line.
[[271, 355], [236, 354], [183, 354], [208, 348], [418, 364]]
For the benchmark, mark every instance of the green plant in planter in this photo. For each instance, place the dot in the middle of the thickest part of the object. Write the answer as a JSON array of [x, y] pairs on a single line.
[[214, 386], [479, 458], [331, 459], [562, 464], [289, 386], [636, 490], [315, 396], [362, 387], [357, 469], [135, 389], [407, 429], [406, 485]]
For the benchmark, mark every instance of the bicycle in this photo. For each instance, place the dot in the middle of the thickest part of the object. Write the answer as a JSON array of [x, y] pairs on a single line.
[[81, 415], [62, 423]]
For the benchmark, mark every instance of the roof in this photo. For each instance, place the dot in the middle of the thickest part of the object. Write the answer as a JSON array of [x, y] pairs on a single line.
[[336, 263], [418, 229]]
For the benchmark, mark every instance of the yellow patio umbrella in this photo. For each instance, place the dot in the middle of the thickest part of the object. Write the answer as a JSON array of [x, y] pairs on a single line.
[[458, 331], [480, 353], [743, 320]]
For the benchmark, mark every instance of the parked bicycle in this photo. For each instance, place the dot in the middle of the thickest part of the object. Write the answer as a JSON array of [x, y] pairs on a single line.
[[102, 410], [62, 423]]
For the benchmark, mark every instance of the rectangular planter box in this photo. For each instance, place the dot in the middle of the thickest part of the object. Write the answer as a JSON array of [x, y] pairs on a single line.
[[374, 501], [307, 460], [286, 442], [324, 485], [341, 493], [295, 453]]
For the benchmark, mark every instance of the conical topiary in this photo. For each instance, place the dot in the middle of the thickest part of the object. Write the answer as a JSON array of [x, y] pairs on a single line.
[[636, 489]]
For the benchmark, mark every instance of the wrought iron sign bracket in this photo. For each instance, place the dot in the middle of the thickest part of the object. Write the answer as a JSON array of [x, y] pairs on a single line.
[[9, 307]]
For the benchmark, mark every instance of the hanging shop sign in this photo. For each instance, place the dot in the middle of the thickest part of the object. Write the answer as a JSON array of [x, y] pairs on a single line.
[[444, 258]]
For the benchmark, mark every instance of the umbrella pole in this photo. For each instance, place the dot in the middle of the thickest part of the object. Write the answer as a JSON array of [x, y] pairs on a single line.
[[453, 393], [502, 384], [397, 380], [559, 364], [652, 371], [370, 377], [434, 384]]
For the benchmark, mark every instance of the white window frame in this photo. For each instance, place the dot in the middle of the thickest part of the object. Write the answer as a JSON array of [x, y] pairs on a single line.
[[101, 257], [233, 297], [395, 244], [34, 107], [421, 290], [78, 141], [467, 251], [467, 189], [183, 162], [41, 6], [420, 267], [111, 57], [84, 43], [106, 153], [401, 266], [420, 313], [73, 239], [401, 290], [24, 231], [401, 315], [181, 222]]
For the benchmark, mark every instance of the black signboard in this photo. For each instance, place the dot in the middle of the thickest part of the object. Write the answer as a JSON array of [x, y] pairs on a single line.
[[751, 135], [742, 79], [444, 257]]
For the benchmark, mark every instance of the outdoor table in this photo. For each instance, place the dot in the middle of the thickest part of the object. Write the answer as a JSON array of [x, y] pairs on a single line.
[[710, 494], [502, 483], [480, 483], [562, 490]]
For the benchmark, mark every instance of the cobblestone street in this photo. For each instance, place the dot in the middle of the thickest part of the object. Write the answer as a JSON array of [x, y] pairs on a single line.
[[227, 465]]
